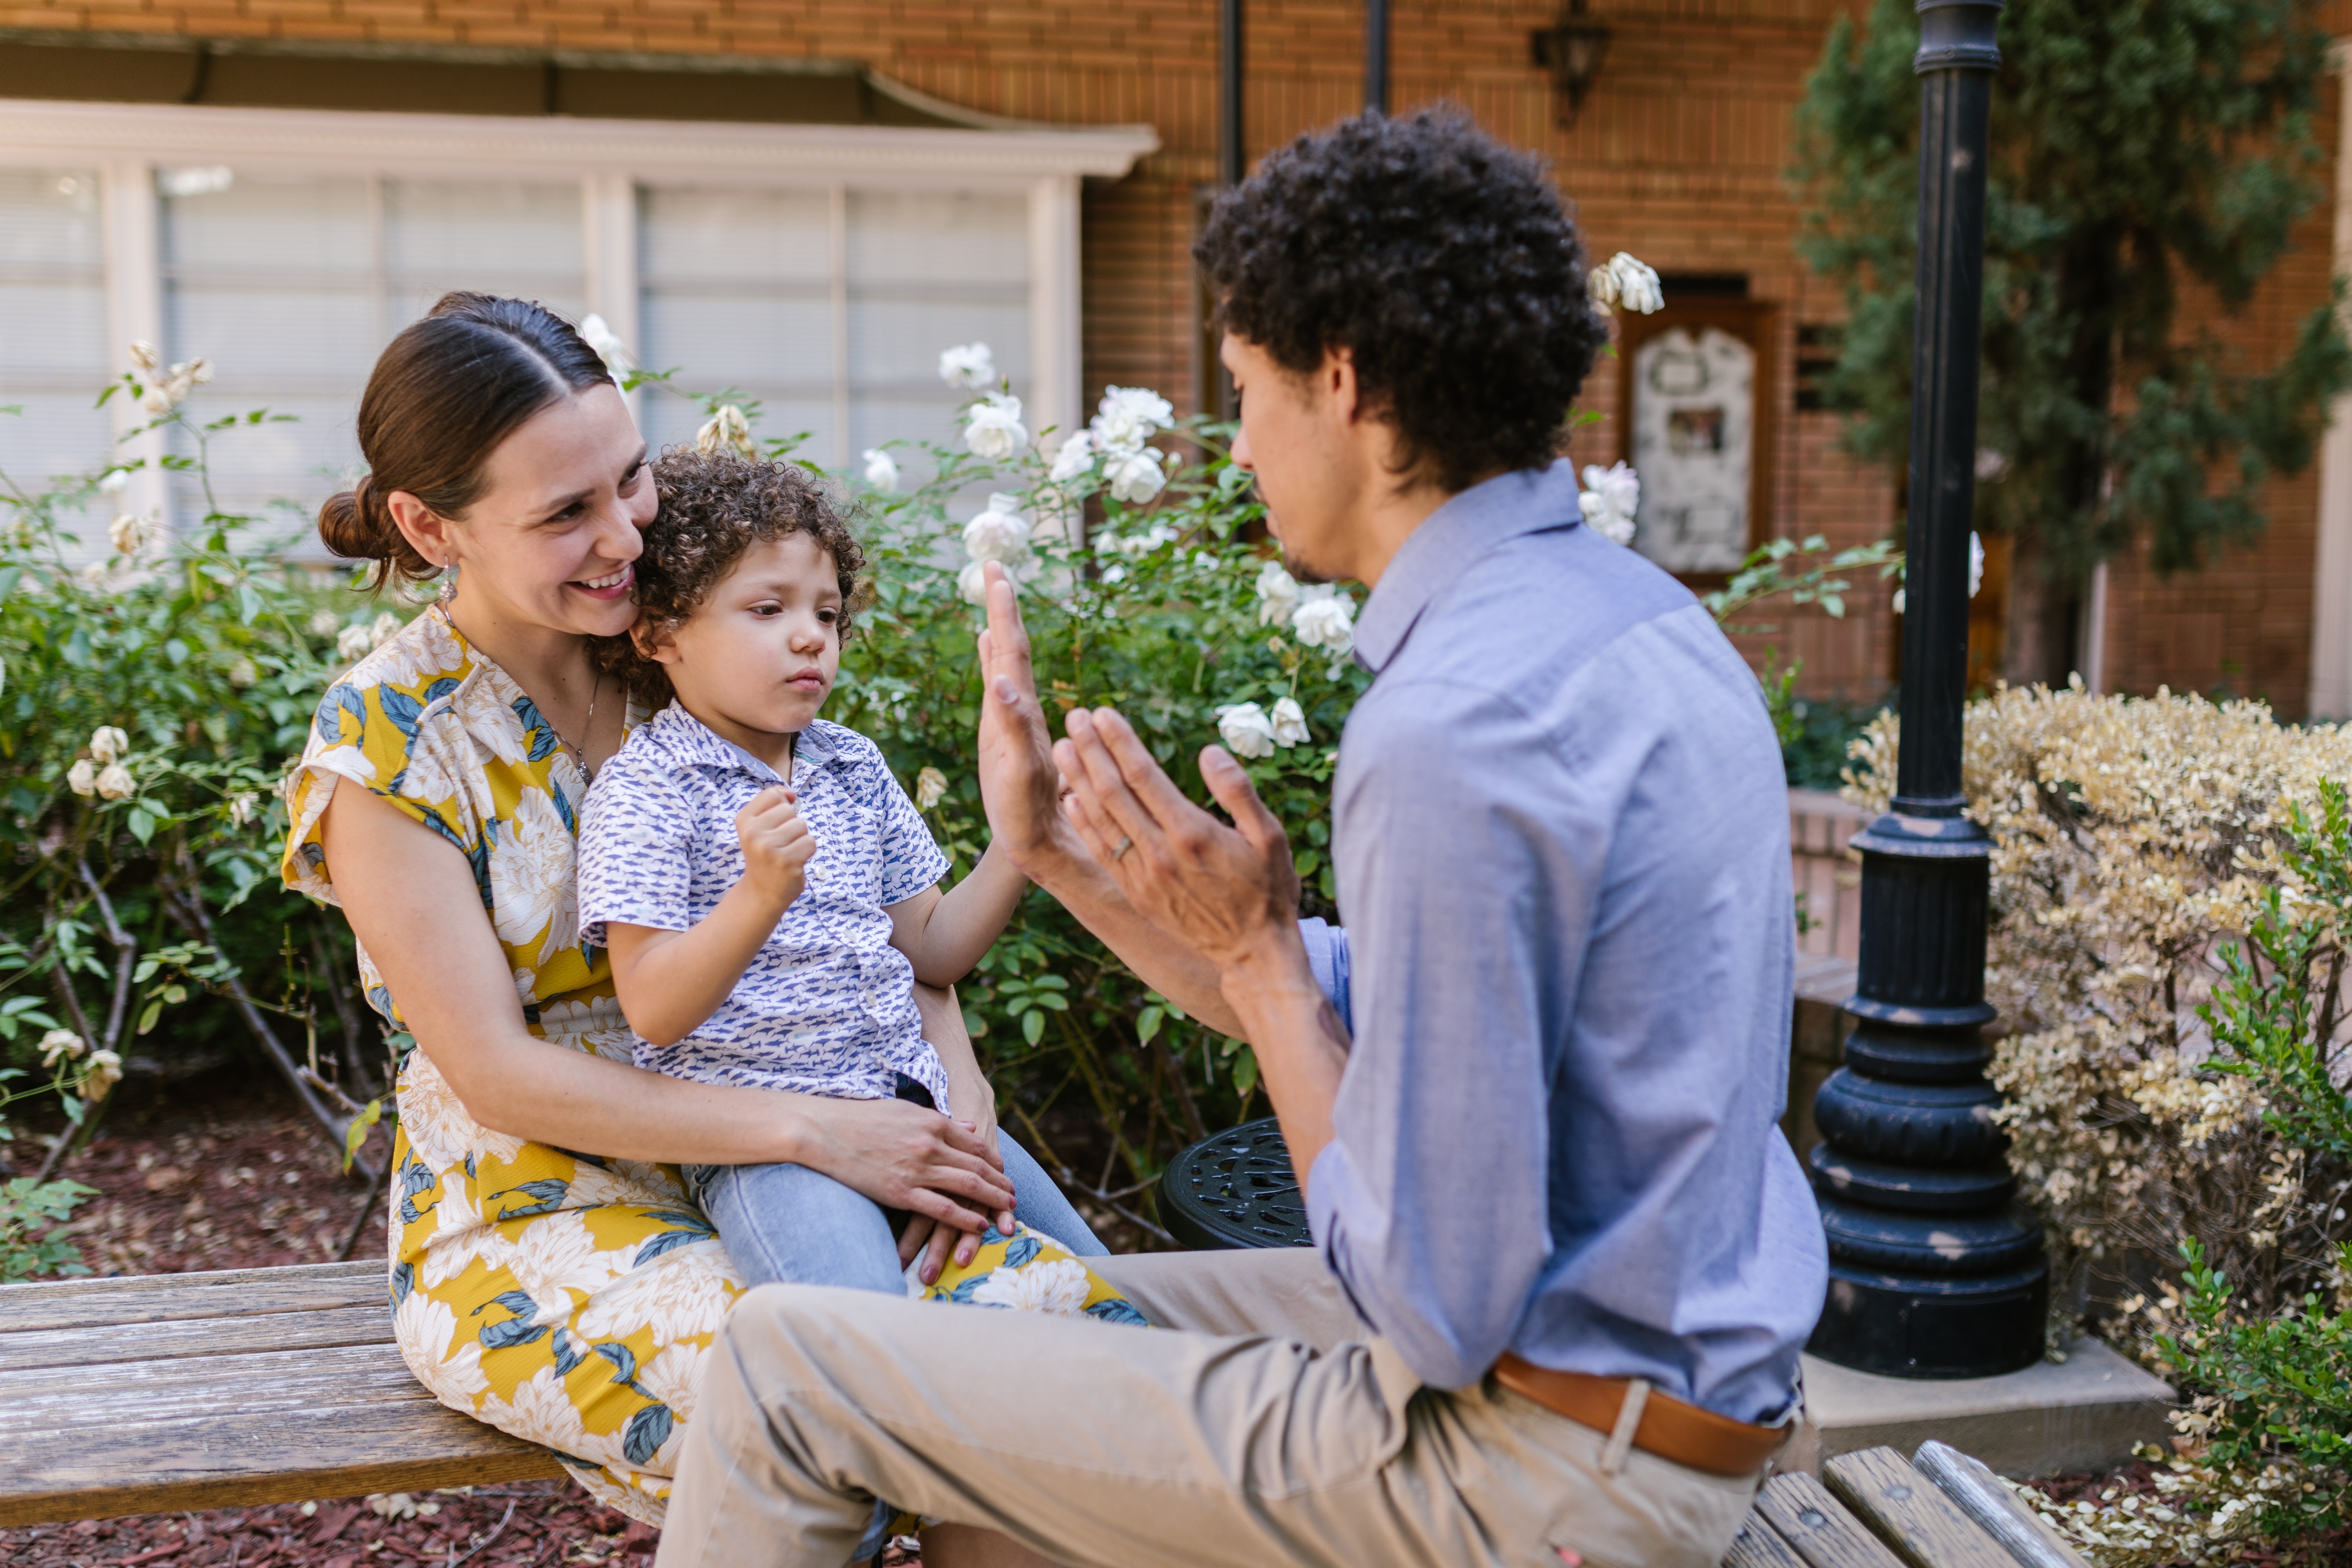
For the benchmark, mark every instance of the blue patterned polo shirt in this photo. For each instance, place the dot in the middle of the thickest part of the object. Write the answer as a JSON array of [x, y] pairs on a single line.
[[828, 1006]]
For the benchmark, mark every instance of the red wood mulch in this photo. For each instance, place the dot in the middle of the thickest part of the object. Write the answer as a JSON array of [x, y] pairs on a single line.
[[229, 1177]]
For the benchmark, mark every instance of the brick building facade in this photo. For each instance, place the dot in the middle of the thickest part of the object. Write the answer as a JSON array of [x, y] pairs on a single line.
[[1678, 156]]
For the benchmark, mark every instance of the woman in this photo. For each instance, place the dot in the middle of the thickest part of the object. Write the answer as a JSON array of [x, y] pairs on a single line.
[[548, 1274]]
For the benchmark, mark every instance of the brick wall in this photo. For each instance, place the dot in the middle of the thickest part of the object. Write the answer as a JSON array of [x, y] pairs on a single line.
[[1677, 157]]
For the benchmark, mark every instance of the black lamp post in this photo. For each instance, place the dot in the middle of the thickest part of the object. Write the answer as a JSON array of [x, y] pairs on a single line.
[[1375, 55], [1932, 1272]]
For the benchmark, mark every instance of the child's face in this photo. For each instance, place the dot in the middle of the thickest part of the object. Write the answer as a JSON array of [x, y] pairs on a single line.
[[762, 652]]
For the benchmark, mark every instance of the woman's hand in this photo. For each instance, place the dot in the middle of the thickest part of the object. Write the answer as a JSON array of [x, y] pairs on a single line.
[[906, 1156]]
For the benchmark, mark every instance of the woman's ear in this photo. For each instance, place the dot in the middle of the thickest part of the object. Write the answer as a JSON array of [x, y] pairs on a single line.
[[657, 642], [427, 531]]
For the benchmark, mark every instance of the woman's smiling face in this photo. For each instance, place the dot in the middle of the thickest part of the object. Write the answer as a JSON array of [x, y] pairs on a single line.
[[552, 538]]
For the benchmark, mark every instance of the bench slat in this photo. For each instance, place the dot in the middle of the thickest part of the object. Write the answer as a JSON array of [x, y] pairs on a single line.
[[162, 1297], [1905, 1510], [29, 1400], [60, 1348], [1804, 1513], [228, 1459], [1756, 1547]]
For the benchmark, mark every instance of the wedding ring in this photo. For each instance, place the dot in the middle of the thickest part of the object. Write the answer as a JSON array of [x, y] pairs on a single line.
[[1124, 843]]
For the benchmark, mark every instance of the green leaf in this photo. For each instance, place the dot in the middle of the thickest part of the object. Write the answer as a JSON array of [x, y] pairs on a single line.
[[1245, 1071], [1032, 1026], [153, 1011], [356, 1133], [141, 824], [1147, 1025]]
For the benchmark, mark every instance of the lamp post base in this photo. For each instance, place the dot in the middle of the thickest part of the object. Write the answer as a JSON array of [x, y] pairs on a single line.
[[1906, 1325]]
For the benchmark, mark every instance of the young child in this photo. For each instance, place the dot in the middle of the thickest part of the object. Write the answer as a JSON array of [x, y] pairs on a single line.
[[764, 885]]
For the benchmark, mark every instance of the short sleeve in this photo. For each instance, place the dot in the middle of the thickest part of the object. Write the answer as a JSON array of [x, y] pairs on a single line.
[[911, 860], [636, 840], [373, 735]]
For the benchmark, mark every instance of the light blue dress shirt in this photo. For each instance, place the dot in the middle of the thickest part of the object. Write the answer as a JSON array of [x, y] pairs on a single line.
[[1561, 834]]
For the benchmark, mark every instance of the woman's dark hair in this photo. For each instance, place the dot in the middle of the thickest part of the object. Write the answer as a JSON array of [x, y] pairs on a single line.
[[714, 506], [1442, 260], [444, 393]]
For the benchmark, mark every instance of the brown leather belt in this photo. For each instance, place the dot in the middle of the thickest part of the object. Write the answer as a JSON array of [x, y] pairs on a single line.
[[1669, 1427]]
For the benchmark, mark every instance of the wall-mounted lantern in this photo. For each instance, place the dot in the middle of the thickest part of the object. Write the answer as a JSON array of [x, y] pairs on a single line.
[[1571, 49]]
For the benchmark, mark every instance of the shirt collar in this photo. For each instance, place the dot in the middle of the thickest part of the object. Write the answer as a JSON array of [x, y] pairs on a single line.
[[1435, 555], [687, 741]]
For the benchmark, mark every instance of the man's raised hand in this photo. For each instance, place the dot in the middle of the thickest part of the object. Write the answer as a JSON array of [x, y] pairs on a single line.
[[777, 844], [1018, 785]]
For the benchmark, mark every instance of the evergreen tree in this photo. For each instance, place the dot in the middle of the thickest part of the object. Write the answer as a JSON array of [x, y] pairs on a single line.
[[2141, 151]]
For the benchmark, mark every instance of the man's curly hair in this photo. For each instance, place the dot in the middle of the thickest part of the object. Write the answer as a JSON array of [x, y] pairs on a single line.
[[1442, 260], [714, 506]]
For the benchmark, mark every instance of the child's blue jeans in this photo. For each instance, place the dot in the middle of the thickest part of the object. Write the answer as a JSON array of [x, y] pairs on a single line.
[[790, 1225]]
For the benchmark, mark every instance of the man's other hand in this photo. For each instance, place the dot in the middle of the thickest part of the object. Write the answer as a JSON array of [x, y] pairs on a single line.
[[1230, 893]]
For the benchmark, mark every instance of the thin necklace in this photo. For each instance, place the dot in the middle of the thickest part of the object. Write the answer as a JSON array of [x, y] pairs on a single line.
[[580, 755]]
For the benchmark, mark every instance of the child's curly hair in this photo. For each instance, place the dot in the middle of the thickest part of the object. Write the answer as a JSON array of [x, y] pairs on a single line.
[[714, 506]]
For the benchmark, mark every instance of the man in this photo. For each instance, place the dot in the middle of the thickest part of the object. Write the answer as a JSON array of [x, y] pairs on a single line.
[[1564, 1259]]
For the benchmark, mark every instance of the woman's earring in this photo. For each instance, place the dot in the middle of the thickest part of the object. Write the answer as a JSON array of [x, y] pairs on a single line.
[[448, 582]]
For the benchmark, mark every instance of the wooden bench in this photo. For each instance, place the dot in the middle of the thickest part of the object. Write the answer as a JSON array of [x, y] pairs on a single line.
[[193, 1391]]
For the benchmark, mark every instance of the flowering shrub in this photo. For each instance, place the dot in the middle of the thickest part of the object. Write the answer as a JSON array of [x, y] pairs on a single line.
[[2165, 954], [149, 696]]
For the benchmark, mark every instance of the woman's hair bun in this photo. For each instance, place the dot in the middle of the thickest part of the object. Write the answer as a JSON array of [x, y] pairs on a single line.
[[357, 525]]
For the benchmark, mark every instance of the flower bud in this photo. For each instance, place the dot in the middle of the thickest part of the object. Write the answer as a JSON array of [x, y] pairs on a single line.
[[144, 355]]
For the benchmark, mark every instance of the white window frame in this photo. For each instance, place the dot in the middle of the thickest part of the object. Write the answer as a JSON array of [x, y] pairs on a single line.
[[609, 159]]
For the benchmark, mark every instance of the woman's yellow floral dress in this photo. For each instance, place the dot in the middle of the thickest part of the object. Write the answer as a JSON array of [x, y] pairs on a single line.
[[565, 1299]]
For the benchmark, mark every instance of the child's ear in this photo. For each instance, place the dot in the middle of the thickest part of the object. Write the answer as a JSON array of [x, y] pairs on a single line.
[[657, 642]]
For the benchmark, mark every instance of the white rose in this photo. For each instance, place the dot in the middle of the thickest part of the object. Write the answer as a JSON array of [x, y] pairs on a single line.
[[968, 365], [382, 629], [727, 430], [115, 482], [114, 782], [60, 1043], [1076, 458], [128, 534], [1278, 593], [324, 621], [930, 787], [1975, 564], [1135, 476], [108, 743], [82, 777], [598, 334], [352, 643], [1290, 723], [1624, 280], [241, 808], [971, 584], [200, 372], [1141, 543], [1128, 417], [1246, 730], [243, 673], [993, 428], [1325, 618], [1611, 496], [102, 1073], [998, 533], [881, 468], [144, 355]]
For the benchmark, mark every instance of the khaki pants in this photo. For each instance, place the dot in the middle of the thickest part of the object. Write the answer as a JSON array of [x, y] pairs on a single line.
[[1270, 1428]]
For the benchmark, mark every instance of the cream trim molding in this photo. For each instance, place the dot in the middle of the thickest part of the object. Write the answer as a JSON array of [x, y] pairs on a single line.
[[40, 132], [2331, 610]]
